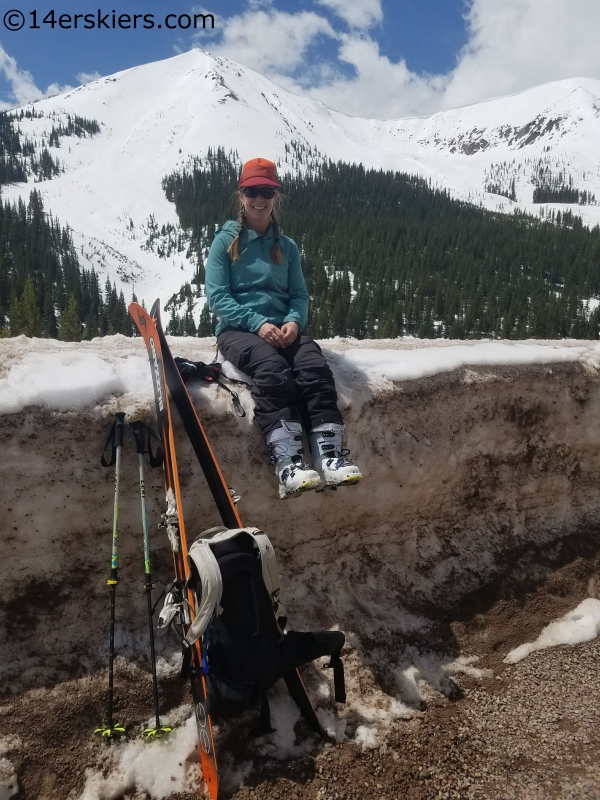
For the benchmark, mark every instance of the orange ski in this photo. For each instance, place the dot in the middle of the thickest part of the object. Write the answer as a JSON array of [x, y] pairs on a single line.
[[174, 523]]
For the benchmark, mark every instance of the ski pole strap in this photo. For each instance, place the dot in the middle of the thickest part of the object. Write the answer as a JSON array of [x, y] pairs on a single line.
[[140, 429], [216, 364], [235, 400], [116, 437], [339, 683], [211, 373]]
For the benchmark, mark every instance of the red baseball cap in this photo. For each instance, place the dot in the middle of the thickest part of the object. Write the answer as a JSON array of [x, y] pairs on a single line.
[[259, 172]]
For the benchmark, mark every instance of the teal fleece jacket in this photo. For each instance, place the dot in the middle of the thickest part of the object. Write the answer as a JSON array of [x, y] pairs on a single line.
[[254, 290]]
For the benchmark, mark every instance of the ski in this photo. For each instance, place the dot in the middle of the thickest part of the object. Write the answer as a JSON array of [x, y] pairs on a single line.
[[174, 523], [222, 495]]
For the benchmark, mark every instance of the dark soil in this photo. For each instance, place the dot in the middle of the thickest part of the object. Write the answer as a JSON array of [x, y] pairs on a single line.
[[450, 749]]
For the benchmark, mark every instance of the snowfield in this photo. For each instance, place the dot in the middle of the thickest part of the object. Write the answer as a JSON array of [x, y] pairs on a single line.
[[65, 376]]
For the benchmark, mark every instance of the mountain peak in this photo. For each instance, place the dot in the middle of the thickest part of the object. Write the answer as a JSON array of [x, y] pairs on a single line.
[[155, 117]]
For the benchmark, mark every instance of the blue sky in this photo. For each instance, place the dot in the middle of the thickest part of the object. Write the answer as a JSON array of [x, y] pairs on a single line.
[[367, 57], [428, 34]]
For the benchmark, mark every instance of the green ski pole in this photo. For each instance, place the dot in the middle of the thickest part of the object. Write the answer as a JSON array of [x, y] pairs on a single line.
[[113, 730], [139, 434]]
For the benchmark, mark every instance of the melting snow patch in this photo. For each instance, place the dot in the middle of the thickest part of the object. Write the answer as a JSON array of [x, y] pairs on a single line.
[[402, 365], [367, 737], [580, 625], [8, 743], [168, 666], [284, 715], [159, 768], [64, 376], [9, 785], [69, 380], [464, 665]]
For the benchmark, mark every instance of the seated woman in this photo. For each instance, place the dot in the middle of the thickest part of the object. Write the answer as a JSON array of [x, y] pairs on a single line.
[[255, 285]]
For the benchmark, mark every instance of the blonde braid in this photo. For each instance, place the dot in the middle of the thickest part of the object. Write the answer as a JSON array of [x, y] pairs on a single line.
[[234, 247], [275, 250]]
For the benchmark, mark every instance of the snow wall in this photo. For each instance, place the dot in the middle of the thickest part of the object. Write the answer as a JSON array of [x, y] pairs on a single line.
[[479, 460]]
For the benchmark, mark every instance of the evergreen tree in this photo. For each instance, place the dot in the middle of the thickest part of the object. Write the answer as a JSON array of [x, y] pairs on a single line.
[[49, 325], [24, 314], [174, 326], [92, 329], [204, 325], [70, 325], [189, 326]]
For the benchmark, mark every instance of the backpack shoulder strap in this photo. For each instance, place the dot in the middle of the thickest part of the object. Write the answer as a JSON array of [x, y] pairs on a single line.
[[270, 568], [212, 583], [212, 588]]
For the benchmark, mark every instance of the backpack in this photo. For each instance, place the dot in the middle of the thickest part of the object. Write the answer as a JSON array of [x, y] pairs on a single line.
[[241, 622]]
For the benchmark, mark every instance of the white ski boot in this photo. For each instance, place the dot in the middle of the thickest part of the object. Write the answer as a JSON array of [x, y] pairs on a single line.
[[330, 458], [295, 475]]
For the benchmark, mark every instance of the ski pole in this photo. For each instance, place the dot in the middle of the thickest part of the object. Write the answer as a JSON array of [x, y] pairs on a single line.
[[139, 428], [113, 730]]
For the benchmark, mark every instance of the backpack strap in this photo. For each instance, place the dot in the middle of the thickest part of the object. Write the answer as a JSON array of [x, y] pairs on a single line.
[[339, 683], [270, 572], [212, 589], [210, 580], [212, 583], [211, 373]]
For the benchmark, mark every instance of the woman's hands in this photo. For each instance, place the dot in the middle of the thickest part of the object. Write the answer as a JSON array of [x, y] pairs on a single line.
[[278, 337], [271, 334], [290, 332]]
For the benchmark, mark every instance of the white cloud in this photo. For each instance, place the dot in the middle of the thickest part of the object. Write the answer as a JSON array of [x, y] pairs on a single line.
[[88, 77], [513, 45], [516, 44], [211, 30], [357, 13], [271, 42], [255, 5], [380, 88], [23, 88]]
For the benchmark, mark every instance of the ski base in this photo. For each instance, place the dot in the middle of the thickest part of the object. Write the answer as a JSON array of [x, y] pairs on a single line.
[[176, 530]]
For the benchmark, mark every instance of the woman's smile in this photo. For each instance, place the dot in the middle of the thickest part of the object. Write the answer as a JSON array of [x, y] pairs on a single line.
[[258, 212]]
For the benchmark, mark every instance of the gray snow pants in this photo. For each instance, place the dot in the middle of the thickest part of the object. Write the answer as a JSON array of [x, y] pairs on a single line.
[[287, 381]]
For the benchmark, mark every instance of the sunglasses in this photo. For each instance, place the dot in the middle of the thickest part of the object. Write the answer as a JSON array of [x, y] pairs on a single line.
[[267, 192]]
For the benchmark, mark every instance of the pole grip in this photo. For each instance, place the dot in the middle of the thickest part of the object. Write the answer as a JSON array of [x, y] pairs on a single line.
[[119, 428], [138, 427]]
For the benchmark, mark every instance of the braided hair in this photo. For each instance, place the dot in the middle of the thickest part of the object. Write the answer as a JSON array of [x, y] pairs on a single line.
[[234, 247]]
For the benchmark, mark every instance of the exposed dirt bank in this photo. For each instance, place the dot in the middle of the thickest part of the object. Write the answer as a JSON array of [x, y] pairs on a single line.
[[480, 484], [524, 731], [467, 474]]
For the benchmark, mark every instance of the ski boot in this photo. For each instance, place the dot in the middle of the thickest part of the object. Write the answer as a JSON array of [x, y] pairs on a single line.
[[330, 458], [295, 475]]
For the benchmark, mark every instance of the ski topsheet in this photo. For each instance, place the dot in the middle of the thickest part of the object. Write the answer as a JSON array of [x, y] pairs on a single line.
[[174, 523], [221, 493]]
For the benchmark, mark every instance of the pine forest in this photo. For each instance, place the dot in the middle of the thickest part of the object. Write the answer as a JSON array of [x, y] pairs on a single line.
[[43, 289], [385, 254]]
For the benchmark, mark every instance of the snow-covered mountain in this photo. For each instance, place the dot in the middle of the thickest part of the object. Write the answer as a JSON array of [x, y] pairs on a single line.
[[156, 117]]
